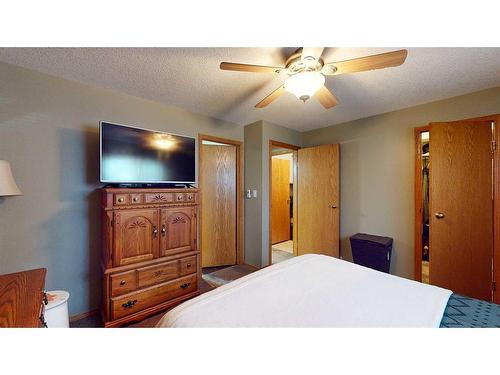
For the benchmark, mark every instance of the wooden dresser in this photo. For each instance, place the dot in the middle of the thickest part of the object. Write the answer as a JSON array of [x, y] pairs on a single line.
[[22, 299], [150, 257]]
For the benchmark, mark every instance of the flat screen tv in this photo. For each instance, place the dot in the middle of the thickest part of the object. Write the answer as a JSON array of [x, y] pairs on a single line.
[[131, 155]]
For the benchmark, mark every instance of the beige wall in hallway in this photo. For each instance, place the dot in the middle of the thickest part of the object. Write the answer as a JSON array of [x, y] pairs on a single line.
[[377, 164]]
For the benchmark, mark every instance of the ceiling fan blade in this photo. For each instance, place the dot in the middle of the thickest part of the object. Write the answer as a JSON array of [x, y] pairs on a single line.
[[383, 60], [314, 52], [271, 97], [250, 68], [326, 98]]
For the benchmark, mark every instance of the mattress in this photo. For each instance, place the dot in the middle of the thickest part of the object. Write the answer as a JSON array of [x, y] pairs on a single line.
[[465, 312], [314, 291]]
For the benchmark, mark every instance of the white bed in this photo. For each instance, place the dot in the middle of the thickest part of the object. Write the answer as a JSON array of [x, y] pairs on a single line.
[[314, 291]]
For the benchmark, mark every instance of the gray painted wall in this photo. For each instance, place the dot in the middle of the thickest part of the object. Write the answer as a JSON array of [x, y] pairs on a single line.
[[253, 180], [49, 133], [257, 136], [377, 175]]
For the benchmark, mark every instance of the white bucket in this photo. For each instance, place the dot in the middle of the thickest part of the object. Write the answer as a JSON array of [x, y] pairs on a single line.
[[56, 311]]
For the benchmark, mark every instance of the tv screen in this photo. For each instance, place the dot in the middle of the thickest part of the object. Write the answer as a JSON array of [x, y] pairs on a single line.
[[135, 155]]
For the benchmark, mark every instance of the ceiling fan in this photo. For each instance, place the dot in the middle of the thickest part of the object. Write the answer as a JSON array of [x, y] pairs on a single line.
[[307, 72]]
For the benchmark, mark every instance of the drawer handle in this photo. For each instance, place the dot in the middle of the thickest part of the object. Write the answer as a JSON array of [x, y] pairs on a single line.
[[188, 265], [43, 322], [123, 282], [155, 231], [120, 200], [129, 304], [186, 285], [163, 230], [190, 197], [135, 199], [179, 197]]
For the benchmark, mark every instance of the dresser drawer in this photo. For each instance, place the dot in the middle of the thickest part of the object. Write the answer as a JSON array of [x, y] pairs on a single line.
[[191, 197], [136, 198], [157, 274], [133, 302], [122, 283], [187, 265], [158, 197], [121, 199], [179, 197]]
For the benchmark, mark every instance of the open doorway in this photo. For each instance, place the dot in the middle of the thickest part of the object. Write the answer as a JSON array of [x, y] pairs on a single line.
[[282, 201]]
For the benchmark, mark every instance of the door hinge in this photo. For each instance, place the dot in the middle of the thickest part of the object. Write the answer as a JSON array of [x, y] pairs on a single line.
[[494, 285], [493, 146]]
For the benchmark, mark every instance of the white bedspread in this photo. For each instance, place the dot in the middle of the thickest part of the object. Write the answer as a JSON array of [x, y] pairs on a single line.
[[314, 291]]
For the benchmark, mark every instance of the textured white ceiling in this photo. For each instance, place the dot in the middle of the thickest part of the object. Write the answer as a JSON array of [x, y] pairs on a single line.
[[190, 78]]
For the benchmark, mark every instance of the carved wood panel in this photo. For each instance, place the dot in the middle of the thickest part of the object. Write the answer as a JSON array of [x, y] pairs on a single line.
[[178, 230], [136, 236], [158, 198]]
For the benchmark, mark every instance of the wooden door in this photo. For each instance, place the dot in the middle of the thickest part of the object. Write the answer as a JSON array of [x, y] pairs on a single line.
[[178, 230], [218, 205], [461, 207], [280, 200], [136, 236], [318, 200]]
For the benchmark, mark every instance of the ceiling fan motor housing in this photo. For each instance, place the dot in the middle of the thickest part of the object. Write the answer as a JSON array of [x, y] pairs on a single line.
[[296, 65]]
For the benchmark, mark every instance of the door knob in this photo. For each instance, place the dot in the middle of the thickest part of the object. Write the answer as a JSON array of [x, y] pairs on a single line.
[[439, 215], [332, 206]]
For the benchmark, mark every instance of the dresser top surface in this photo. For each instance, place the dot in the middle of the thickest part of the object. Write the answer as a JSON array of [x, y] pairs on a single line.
[[149, 190]]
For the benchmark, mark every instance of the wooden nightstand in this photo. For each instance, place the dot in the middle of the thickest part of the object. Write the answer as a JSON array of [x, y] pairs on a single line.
[[22, 299]]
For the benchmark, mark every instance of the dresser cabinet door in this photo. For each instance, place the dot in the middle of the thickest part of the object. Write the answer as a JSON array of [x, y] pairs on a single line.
[[136, 236], [178, 230]]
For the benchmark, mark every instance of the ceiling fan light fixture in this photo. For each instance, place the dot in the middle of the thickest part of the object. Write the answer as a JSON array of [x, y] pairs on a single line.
[[304, 84]]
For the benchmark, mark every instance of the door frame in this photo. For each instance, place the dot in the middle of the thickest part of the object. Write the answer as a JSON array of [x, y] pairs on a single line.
[[240, 242], [293, 149], [496, 203]]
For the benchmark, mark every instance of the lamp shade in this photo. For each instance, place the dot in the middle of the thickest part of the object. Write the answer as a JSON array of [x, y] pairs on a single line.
[[304, 84], [7, 184]]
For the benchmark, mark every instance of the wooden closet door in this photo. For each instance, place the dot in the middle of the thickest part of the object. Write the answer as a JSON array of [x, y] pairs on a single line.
[[218, 205], [318, 200], [461, 207], [136, 236], [280, 200]]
